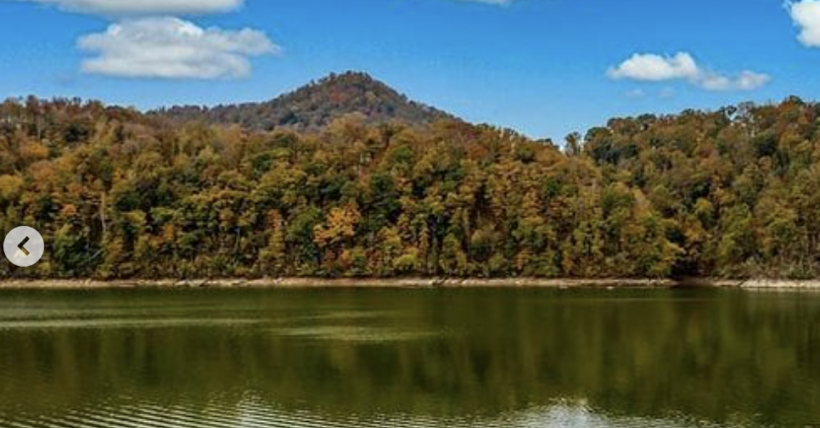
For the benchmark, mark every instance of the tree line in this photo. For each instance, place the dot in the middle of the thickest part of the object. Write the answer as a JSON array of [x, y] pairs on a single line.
[[119, 194]]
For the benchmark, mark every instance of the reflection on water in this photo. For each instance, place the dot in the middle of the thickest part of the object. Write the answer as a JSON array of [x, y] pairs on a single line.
[[356, 333], [402, 358]]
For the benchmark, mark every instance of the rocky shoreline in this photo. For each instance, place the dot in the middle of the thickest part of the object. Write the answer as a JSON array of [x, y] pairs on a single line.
[[409, 283]]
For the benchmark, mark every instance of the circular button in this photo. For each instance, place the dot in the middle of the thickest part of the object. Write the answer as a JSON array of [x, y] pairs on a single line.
[[24, 246]]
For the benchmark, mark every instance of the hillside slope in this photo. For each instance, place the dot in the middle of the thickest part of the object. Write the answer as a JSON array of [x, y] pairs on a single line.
[[116, 194], [316, 105]]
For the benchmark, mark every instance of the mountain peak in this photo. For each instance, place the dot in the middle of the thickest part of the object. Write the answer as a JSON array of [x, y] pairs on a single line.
[[350, 77], [317, 104]]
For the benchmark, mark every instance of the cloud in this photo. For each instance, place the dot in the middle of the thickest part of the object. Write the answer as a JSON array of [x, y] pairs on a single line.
[[145, 7], [745, 81], [172, 48], [682, 66], [655, 68], [806, 16]]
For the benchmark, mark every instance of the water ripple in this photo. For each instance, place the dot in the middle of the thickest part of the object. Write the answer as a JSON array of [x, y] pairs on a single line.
[[255, 414]]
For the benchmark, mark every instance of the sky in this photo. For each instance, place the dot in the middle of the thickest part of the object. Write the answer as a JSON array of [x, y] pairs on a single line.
[[543, 67]]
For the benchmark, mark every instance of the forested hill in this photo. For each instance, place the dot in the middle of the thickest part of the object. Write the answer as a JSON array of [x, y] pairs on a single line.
[[316, 105], [119, 194]]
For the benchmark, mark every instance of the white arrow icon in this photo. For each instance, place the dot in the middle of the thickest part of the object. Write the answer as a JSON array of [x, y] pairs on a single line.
[[24, 246]]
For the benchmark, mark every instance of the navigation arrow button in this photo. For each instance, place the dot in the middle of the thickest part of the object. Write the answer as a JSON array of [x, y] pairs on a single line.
[[24, 246]]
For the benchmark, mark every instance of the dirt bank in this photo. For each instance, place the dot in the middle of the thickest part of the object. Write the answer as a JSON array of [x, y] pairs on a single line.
[[338, 283], [411, 283]]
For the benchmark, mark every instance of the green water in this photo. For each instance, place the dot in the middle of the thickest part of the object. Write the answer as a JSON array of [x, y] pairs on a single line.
[[409, 358]]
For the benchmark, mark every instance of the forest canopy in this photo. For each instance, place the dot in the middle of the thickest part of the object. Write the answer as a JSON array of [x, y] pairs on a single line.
[[121, 194]]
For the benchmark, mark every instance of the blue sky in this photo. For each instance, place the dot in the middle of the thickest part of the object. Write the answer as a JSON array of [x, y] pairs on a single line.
[[544, 67]]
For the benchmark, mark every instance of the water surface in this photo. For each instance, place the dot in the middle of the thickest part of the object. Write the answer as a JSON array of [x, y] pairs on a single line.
[[409, 358]]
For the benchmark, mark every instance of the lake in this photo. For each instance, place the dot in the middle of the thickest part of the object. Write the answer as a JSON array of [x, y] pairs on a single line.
[[409, 358]]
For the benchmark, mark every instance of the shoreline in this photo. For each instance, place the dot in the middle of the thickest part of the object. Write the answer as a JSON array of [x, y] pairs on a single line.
[[407, 283]]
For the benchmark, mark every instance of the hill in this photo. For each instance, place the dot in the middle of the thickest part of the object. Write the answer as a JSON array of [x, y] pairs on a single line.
[[118, 194], [314, 106]]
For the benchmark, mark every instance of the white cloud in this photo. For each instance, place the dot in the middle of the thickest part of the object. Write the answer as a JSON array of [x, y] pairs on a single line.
[[145, 7], [172, 48], [745, 81], [655, 68], [806, 16], [682, 66]]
